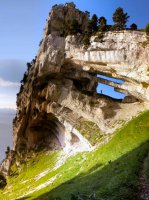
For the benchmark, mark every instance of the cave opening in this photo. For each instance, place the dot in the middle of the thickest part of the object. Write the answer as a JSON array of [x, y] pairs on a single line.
[[46, 132], [108, 86]]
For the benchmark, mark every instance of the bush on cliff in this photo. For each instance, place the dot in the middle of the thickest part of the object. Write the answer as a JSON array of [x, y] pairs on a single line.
[[133, 27], [2, 181]]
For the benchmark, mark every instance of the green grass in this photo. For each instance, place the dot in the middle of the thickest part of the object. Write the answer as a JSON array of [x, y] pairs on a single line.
[[146, 169], [111, 172]]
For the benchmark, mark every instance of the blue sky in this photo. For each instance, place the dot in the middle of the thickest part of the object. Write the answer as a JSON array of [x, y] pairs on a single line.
[[21, 28]]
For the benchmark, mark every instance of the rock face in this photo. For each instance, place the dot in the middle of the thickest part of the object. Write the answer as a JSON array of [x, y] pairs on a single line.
[[61, 85]]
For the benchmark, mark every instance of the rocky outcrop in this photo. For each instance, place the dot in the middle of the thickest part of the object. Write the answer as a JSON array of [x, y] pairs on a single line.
[[61, 86], [7, 163], [122, 55]]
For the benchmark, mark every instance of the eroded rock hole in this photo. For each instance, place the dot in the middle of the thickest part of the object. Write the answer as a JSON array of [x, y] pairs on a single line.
[[108, 86], [113, 87], [46, 131]]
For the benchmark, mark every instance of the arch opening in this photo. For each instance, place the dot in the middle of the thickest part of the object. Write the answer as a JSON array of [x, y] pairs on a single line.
[[46, 131], [107, 86]]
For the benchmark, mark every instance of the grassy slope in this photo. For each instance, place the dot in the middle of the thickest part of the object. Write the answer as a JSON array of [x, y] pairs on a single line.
[[146, 169], [110, 171]]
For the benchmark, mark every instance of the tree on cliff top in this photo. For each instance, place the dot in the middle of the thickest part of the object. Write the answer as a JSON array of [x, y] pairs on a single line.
[[102, 24], [120, 18], [94, 22], [147, 29], [74, 27]]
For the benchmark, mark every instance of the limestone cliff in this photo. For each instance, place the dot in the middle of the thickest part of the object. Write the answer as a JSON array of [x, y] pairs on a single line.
[[60, 92]]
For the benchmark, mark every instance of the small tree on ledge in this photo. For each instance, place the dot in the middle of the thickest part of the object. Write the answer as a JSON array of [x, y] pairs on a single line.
[[133, 27]]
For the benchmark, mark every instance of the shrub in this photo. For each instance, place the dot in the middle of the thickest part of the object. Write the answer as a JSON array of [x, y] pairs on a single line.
[[86, 40], [133, 27], [3, 181], [7, 151]]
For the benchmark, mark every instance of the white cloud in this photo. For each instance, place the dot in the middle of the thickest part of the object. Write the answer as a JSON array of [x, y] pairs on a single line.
[[5, 83], [10, 106]]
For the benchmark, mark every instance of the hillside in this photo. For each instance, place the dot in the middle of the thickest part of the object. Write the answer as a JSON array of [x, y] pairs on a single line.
[[111, 171]]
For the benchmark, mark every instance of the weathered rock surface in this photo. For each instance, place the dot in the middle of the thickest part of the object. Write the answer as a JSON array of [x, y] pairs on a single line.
[[61, 87]]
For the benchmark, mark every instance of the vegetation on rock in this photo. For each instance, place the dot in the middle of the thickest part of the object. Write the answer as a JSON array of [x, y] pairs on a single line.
[[90, 131], [3, 181], [133, 27]]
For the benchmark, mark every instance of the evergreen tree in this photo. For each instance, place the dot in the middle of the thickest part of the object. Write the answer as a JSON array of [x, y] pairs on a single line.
[[74, 27], [120, 18], [88, 13], [147, 29], [102, 24], [133, 27], [23, 81], [28, 66], [94, 22], [89, 28]]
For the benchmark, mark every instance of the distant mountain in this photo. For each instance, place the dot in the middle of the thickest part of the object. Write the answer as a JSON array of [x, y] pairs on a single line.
[[6, 117]]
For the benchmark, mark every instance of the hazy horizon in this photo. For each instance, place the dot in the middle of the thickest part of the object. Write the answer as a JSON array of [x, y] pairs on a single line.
[[6, 117]]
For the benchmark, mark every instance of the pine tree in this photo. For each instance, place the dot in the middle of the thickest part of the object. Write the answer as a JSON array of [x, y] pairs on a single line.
[[147, 29], [89, 28], [87, 13], [120, 18], [94, 22], [74, 27], [23, 81], [102, 24]]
